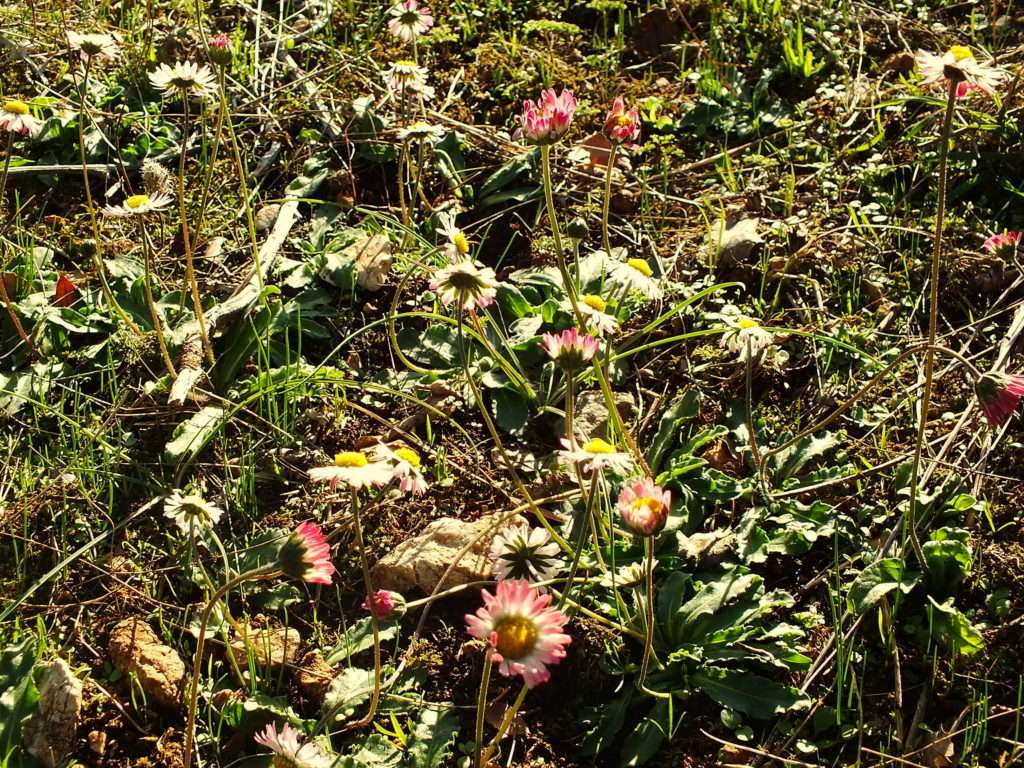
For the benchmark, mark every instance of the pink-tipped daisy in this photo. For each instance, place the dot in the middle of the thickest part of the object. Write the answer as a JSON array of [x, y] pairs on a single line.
[[644, 506], [999, 395], [16, 117], [621, 124], [354, 469], [595, 454], [595, 313], [406, 467], [466, 285], [958, 65], [524, 633], [409, 20], [570, 349], [288, 751], [547, 120], [385, 605], [407, 79], [220, 49], [306, 555], [1004, 244]]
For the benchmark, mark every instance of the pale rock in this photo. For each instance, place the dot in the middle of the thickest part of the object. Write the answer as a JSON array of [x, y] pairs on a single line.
[[50, 733], [731, 242], [591, 418], [373, 261], [136, 650], [275, 646]]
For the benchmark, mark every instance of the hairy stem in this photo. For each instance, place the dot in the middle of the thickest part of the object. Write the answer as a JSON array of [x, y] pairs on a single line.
[[148, 289], [481, 710], [374, 624], [606, 240]]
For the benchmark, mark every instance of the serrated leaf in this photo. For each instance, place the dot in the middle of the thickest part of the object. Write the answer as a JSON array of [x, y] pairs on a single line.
[[191, 436], [358, 638], [432, 739], [877, 580], [748, 693]]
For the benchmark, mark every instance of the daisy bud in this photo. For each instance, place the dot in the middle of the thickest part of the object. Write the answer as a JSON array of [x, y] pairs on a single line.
[[1004, 244], [570, 349], [547, 120], [644, 506], [622, 125], [999, 395], [306, 555], [386, 605], [220, 50]]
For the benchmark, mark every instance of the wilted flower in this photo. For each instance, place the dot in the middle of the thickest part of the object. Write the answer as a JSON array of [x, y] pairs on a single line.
[[354, 469], [421, 131], [521, 552], [94, 47], [958, 65], [746, 335], [405, 467], [191, 512], [635, 276], [622, 125], [524, 633], [595, 313], [644, 506], [457, 247], [547, 120], [408, 79], [409, 20], [16, 118], [385, 605], [219, 47], [184, 77], [596, 454], [465, 284], [570, 349], [155, 178], [999, 395], [288, 753], [306, 555], [1004, 244], [139, 205]]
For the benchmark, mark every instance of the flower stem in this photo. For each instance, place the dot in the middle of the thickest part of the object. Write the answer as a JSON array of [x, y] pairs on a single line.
[[506, 722], [933, 322], [148, 288], [374, 624], [261, 573], [606, 240], [481, 711], [649, 618], [8, 305]]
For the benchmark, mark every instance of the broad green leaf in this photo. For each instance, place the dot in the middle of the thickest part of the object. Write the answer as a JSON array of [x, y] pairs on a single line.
[[348, 691], [17, 691], [644, 741], [191, 436], [877, 580], [357, 639], [511, 412], [950, 627], [748, 693], [684, 409], [432, 738], [716, 595]]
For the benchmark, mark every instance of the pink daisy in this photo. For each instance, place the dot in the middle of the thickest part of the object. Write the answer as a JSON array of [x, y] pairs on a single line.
[[547, 120], [999, 395], [288, 752], [958, 65], [1004, 243], [466, 285], [306, 555], [385, 603], [644, 506], [622, 125], [409, 20], [570, 349]]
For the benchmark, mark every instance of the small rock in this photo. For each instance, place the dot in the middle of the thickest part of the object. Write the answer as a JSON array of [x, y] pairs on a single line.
[[314, 676], [422, 560], [373, 261], [591, 419], [275, 647], [136, 650], [97, 742], [731, 242], [50, 733], [267, 216]]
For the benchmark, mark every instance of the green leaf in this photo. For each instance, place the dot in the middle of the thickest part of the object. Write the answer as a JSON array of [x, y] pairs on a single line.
[[744, 692], [953, 629], [877, 580], [357, 639], [509, 172], [17, 691], [191, 436], [432, 739], [949, 560], [789, 462], [715, 596], [347, 693], [604, 721], [643, 741], [511, 412], [684, 409]]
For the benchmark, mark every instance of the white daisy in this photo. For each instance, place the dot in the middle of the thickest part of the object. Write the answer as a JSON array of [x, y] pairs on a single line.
[[288, 752], [191, 512], [595, 312], [457, 245], [595, 454], [94, 47], [16, 118], [421, 131], [195, 79], [959, 65], [354, 469], [409, 20], [407, 79], [139, 205], [467, 285], [746, 335], [521, 552], [406, 467], [635, 276]]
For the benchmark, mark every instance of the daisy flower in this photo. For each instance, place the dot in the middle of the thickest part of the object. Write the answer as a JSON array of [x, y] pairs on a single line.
[[524, 633], [421, 131], [16, 118], [999, 395], [409, 20], [595, 313], [621, 124], [547, 120], [644, 506], [466, 284], [220, 49], [185, 76], [635, 276], [406, 79], [457, 245], [958, 65], [522, 552], [386, 605], [595, 454], [745, 329], [1004, 244], [306, 555], [94, 47], [139, 205], [191, 512], [354, 469], [405, 467], [288, 752], [570, 349]]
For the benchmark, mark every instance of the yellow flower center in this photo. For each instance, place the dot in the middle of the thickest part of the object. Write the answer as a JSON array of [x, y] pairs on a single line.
[[623, 120], [408, 64], [961, 52], [646, 502], [351, 459], [597, 445], [136, 201], [641, 266], [516, 637], [16, 107], [461, 243], [409, 456], [746, 323], [595, 302]]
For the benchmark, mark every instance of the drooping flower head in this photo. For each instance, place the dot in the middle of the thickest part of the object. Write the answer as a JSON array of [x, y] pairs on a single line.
[[644, 506], [635, 276], [139, 205], [406, 467], [191, 512], [184, 78], [354, 469], [16, 117], [570, 349], [1004, 244], [524, 633], [407, 79], [547, 120], [421, 131], [288, 751], [219, 47], [595, 454], [599, 321], [306, 555], [621, 124], [746, 336], [999, 395], [457, 245], [958, 65], [466, 285], [409, 20], [385, 605], [522, 552], [94, 47]]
